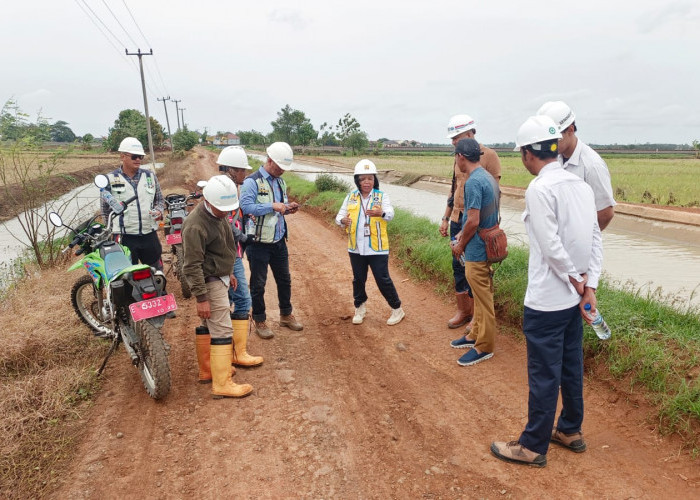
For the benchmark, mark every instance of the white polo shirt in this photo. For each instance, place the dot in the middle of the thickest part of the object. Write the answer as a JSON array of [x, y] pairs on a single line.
[[589, 166], [565, 240]]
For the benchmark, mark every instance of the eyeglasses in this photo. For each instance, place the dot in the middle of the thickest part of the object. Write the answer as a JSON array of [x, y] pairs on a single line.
[[135, 157]]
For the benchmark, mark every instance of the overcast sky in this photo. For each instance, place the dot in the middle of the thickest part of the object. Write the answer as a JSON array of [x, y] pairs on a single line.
[[629, 69]]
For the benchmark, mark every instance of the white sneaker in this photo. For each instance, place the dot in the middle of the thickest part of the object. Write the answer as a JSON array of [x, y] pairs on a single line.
[[359, 314], [396, 316]]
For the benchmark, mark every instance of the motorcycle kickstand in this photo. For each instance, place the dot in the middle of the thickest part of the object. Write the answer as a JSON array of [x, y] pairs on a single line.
[[115, 342]]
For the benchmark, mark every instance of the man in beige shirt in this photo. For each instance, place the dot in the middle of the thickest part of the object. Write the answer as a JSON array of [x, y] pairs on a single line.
[[463, 127]]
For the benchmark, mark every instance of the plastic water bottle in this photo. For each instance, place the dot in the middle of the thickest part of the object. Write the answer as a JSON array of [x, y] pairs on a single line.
[[600, 327], [250, 227], [114, 203]]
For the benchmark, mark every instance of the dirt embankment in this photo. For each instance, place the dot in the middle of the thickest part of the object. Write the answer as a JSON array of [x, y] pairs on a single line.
[[345, 411]]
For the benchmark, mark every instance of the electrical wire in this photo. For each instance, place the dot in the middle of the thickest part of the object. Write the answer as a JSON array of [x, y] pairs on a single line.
[[119, 23]]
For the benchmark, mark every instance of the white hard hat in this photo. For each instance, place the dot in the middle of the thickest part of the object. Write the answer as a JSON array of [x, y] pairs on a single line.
[[131, 145], [281, 153], [221, 193], [558, 111], [459, 124], [233, 156], [536, 129], [365, 167]]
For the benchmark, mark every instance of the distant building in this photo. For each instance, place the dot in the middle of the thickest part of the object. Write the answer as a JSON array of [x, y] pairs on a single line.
[[227, 139]]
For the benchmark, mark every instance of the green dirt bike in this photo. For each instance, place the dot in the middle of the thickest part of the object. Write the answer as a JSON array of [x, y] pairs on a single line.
[[121, 301]]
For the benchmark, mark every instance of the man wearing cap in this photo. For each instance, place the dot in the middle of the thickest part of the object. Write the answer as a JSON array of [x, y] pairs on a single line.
[[136, 226], [209, 254], [581, 160], [481, 198], [463, 127], [563, 270], [264, 196]]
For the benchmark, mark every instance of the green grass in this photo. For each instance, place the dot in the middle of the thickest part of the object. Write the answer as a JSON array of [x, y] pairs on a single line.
[[664, 181], [653, 345]]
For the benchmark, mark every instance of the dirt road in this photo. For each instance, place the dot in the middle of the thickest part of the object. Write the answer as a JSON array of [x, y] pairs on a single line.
[[368, 411]]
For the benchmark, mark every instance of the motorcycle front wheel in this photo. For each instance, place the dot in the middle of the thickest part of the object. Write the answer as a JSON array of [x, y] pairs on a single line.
[[154, 366], [84, 298]]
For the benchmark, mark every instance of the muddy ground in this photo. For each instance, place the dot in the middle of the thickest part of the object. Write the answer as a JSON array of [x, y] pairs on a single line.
[[368, 411]]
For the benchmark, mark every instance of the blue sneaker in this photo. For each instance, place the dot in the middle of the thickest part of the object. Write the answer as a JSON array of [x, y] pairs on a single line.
[[472, 357], [462, 343]]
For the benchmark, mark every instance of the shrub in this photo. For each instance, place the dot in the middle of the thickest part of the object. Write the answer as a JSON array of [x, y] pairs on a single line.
[[327, 182]]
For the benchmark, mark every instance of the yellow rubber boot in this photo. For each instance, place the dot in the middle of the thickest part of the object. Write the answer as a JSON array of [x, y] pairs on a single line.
[[240, 343], [202, 340], [221, 355]]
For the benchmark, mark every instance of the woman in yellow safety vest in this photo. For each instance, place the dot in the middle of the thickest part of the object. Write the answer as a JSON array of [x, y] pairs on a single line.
[[364, 215]]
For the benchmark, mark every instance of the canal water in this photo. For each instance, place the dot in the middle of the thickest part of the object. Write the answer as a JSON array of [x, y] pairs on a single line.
[[649, 257]]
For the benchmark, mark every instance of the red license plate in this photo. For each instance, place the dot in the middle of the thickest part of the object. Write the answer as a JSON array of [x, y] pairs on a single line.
[[173, 239], [153, 307]]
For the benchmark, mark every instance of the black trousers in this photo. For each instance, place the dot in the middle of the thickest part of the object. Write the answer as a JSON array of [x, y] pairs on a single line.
[[276, 256], [380, 269]]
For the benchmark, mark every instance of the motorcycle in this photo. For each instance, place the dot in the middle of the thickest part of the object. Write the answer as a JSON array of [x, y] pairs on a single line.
[[176, 206], [121, 301]]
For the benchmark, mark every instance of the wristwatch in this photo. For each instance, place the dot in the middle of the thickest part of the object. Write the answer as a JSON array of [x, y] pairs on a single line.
[[445, 218]]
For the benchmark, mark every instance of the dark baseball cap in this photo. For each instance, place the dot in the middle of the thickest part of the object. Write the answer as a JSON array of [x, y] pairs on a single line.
[[469, 148]]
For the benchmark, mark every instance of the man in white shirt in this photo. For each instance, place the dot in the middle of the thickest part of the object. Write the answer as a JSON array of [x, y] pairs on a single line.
[[580, 159], [565, 261]]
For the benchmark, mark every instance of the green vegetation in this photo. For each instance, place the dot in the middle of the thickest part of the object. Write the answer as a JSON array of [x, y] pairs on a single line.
[[653, 345], [184, 140], [664, 181], [132, 123]]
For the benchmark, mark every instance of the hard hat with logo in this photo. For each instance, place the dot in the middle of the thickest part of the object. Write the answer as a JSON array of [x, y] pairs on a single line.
[[365, 167], [281, 153], [558, 111], [459, 124], [536, 129], [132, 146], [233, 156], [221, 193]]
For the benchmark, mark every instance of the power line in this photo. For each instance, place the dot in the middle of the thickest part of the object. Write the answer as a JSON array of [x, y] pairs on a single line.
[[119, 23], [103, 24], [100, 30], [135, 23]]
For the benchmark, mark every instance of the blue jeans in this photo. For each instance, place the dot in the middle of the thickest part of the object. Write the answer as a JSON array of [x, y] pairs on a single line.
[[554, 359], [240, 297], [461, 283], [275, 255], [380, 269]]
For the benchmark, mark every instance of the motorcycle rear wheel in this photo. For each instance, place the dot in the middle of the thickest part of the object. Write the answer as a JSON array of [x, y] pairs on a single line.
[[154, 366], [186, 292], [83, 296]]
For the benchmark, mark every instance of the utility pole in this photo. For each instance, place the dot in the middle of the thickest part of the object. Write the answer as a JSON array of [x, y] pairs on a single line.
[[177, 113], [182, 110], [172, 148], [145, 100]]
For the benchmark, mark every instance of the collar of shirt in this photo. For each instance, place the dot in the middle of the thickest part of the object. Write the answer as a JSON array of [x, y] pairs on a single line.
[[575, 157]]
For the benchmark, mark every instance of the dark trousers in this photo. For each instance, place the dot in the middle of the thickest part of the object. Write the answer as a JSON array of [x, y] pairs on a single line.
[[461, 283], [554, 360], [145, 248], [275, 255], [380, 270]]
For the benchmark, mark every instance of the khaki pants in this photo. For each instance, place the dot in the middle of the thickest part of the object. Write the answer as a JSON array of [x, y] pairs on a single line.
[[219, 323], [484, 325]]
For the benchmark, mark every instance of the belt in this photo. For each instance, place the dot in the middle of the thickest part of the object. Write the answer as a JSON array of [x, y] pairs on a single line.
[[211, 279]]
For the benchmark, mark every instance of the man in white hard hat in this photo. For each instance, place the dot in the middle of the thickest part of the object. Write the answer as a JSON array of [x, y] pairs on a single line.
[[136, 226], [264, 196], [566, 254], [209, 254], [580, 159], [463, 127], [233, 162]]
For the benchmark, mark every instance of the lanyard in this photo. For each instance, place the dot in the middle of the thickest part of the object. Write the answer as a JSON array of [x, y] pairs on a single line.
[[364, 209]]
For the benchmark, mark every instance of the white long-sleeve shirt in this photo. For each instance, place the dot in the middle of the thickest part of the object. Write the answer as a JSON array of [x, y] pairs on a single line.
[[589, 166], [565, 240], [363, 247]]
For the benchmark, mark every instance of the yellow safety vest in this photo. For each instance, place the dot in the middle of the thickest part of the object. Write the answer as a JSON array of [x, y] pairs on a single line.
[[378, 237]]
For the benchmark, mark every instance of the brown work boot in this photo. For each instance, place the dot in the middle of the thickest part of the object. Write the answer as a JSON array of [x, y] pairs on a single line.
[[574, 441], [291, 322], [262, 330], [517, 453], [465, 310]]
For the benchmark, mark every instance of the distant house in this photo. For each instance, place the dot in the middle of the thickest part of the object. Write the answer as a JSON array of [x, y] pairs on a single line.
[[227, 139], [391, 144]]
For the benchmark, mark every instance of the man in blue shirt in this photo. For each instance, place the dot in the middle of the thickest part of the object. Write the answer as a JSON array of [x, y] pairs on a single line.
[[264, 196], [481, 196]]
